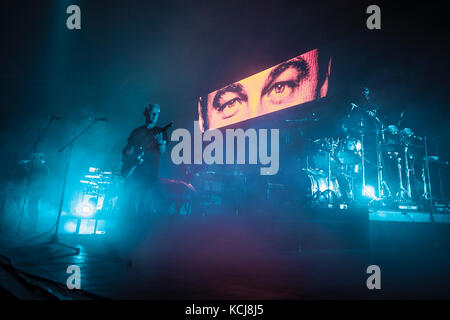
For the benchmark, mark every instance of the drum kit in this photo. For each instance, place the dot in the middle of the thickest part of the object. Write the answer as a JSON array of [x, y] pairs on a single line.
[[339, 168], [96, 194]]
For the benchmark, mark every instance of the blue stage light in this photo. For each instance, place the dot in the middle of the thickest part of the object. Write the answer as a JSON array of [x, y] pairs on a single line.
[[369, 192], [86, 209], [70, 226]]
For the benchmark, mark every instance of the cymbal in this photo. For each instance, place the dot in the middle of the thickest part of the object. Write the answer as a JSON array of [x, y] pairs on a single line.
[[436, 159]]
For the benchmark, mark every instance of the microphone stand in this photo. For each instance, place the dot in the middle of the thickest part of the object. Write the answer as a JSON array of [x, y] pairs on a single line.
[[54, 240], [68, 145]]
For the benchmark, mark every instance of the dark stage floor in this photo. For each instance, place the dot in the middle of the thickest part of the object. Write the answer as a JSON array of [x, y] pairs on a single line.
[[184, 259]]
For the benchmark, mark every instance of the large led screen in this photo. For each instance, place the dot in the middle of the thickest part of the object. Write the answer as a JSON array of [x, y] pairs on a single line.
[[290, 83]]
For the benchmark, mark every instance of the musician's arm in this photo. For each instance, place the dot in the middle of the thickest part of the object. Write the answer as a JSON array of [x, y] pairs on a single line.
[[129, 148]]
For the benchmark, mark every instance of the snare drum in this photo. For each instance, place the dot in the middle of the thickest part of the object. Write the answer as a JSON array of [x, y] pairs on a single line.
[[349, 151], [391, 138], [321, 151]]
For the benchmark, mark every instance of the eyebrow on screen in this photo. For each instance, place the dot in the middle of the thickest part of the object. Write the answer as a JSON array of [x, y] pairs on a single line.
[[235, 87], [297, 63]]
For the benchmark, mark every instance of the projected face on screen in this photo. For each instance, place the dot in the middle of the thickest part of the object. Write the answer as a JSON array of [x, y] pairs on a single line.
[[290, 83]]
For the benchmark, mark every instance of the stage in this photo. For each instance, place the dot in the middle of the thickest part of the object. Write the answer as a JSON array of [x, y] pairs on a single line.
[[215, 150], [238, 258]]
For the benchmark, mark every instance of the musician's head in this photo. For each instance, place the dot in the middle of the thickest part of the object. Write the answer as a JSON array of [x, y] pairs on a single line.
[[151, 114], [38, 160], [290, 83]]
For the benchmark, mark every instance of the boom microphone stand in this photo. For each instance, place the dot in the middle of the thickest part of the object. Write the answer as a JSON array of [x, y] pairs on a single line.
[[69, 146]]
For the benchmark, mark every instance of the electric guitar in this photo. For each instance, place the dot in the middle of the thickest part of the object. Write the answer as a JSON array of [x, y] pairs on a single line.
[[134, 160]]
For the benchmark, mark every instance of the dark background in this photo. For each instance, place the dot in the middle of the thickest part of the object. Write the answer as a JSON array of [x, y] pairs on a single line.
[[129, 53]]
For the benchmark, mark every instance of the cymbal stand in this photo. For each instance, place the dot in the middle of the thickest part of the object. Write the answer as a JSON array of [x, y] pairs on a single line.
[[379, 160], [408, 174], [428, 185], [401, 195], [363, 165], [329, 191], [31, 172], [426, 194]]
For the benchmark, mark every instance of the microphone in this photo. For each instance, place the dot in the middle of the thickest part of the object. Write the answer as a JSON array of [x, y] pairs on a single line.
[[95, 118], [400, 120], [296, 120], [351, 110], [313, 117], [100, 119], [52, 118]]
